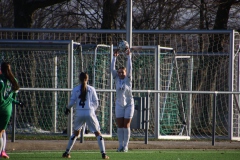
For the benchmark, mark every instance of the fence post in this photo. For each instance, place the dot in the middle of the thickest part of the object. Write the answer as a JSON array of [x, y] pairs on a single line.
[[147, 117], [13, 123], [214, 119]]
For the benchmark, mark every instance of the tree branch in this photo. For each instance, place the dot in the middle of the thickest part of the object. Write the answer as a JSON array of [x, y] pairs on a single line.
[[36, 4]]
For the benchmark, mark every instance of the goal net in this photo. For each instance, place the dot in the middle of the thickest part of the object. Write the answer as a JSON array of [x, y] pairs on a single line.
[[175, 75], [158, 68], [46, 72], [42, 71], [96, 61]]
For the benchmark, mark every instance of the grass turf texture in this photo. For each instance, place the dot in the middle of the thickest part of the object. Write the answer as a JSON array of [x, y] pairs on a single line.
[[133, 155]]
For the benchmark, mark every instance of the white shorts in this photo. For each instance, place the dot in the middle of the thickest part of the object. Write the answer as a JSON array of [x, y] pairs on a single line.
[[126, 111], [87, 116]]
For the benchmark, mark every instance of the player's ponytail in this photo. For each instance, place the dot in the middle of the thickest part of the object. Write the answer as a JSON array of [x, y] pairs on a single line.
[[83, 77], [6, 70]]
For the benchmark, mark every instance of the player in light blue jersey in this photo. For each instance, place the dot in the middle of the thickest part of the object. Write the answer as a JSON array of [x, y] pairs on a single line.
[[124, 109], [86, 100]]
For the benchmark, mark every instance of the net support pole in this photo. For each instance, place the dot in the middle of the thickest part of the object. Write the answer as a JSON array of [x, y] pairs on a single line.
[[214, 119], [129, 23], [189, 102], [157, 95], [238, 89], [111, 93], [230, 84], [14, 123], [147, 106], [81, 55], [70, 84], [55, 95]]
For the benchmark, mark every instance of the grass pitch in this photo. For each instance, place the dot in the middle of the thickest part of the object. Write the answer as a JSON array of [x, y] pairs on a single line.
[[133, 155]]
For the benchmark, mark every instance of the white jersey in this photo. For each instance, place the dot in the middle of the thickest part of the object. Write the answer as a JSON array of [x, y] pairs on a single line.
[[91, 102], [123, 86]]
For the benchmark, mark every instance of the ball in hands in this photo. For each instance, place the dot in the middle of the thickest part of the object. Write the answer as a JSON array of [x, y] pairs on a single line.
[[123, 45]]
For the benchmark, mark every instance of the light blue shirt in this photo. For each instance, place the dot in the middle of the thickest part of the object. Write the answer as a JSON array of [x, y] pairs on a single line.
[[123, 86], [91, 99]]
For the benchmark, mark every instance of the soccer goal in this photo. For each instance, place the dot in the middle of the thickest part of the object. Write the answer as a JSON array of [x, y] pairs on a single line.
[[47, 71], [96, 61], [44, 69], [175, 74], [158, 68]]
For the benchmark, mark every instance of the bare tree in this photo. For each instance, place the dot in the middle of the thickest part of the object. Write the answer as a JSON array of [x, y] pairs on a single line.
[[6, 13], [111, 14], [209, 66], [24, 9]]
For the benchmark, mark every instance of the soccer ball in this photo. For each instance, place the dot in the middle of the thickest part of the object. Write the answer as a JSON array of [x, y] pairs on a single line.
[[123, 45]]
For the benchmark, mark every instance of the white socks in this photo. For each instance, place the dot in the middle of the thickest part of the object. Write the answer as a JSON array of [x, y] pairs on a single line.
[[126, 136], [101, 144], [71, 142], [120, 133], [123, 137], [73, 138], [1, 144], [4, 135]]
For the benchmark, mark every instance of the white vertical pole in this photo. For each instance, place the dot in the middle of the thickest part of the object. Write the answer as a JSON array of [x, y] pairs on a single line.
[[231, 78], [189, 110], [111, 93], [129, 23], [55, 96], [157, 95], [238, 89], [94, 66], [70, 84]]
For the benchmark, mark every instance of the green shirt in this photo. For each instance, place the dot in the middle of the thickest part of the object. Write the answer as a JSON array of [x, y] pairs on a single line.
[[7, 96]]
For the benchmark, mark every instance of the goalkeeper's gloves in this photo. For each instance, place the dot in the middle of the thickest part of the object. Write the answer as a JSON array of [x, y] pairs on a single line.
[[66, 111]]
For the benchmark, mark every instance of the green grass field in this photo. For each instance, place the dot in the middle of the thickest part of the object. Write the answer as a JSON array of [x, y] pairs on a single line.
[[133, 155]]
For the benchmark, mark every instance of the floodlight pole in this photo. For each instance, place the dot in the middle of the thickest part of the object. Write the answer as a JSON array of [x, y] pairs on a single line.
[[129, 23]]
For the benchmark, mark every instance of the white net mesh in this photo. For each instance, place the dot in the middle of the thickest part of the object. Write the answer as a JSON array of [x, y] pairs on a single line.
[[210, 55]]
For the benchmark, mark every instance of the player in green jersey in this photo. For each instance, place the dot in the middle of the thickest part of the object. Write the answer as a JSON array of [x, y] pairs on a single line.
[[8, 91]]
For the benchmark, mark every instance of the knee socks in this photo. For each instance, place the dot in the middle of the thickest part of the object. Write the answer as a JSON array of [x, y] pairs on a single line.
[[120, 133], [126, 136], [101, 144], [4, 141], [1, 144], [71, 142]]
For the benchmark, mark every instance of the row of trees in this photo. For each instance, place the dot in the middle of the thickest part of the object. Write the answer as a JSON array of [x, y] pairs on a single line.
[[111, 14]]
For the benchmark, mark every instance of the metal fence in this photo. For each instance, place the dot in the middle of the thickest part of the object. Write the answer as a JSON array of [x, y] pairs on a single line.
[[180, 71]]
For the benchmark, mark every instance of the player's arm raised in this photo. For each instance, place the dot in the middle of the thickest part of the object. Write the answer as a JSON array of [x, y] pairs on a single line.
[[113, 70], [129, 63]]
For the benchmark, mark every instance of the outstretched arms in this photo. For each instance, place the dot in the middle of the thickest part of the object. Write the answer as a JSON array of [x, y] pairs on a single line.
[[113, 69], [129, 63]]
